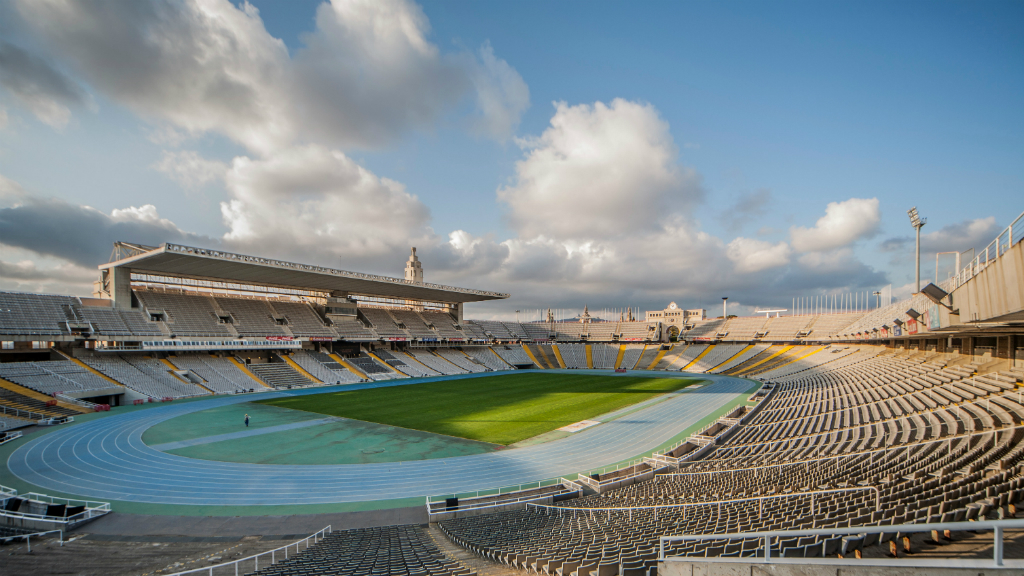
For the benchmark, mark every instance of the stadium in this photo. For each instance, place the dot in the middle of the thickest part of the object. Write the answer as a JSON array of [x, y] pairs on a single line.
[[215, 395], [574, 288]]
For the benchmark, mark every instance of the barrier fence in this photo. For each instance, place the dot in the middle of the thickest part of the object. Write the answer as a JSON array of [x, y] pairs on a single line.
[[276, 555], [759, 499], [997, 526]]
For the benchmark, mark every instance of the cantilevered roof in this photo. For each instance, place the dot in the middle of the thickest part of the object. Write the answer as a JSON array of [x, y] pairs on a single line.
[[217, 265]]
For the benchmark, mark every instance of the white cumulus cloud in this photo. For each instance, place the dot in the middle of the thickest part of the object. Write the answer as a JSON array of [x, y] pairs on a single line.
[[366, 74], [190, 169], [598, 171], [843, 223], [751, 255], [313, 200]]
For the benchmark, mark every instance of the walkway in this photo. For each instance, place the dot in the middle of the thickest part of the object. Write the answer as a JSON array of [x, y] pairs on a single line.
[[105, 459]]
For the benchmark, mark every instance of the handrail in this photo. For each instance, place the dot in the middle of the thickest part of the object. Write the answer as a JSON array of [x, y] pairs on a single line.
[[486, 505], [28, 414], [76, 401], [997, 525], [10, 436], [28, 537], [992, 252], [811, 493], [518, 488], [316, 537]]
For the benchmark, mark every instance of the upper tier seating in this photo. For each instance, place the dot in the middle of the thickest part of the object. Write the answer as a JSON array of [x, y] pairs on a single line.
[[474, 330], [251, 317], [787, 327], [493, 329], [516, 330], [643, 330], [414, 323], [302, 319], [33, 314], [53, 376], [745, 328], [704, 329], [537, 330], [443, 323], [352, 328], [186, 314], [571, 331], [383, 323]]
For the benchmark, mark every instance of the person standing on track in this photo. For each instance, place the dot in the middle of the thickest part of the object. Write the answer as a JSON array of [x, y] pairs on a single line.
[[246, 420]]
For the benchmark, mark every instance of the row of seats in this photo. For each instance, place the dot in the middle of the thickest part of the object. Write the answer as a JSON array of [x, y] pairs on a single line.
[[391, 550], [932, 438], [52, 377], [144, 375], [216, 373]]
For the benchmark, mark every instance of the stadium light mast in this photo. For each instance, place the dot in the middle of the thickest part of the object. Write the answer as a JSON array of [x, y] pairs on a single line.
[[917, 222], [878, 299]]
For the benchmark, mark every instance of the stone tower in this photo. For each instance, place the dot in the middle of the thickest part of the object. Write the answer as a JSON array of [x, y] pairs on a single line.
[[414, 269]]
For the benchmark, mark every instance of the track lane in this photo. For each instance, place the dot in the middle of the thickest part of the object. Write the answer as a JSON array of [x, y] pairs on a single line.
[[107, 459]]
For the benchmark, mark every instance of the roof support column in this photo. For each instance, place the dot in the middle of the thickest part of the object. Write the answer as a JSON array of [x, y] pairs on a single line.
[[121, 287]]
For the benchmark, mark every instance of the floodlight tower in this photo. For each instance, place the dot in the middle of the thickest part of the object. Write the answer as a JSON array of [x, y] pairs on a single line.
[[917, 222]]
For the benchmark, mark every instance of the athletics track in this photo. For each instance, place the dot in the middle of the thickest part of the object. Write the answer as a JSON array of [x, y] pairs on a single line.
[[106, 458]]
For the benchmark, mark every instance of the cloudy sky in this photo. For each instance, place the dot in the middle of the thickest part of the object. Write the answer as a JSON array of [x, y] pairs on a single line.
[[609, 154]]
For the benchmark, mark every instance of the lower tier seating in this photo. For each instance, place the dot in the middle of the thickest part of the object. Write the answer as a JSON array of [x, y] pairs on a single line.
[[371, 552]]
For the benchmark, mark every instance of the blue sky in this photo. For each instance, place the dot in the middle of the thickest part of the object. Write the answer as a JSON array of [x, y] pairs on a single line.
[[747, 121]]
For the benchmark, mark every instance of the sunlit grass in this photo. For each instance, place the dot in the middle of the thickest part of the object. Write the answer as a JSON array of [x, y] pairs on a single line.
[[498, 409]]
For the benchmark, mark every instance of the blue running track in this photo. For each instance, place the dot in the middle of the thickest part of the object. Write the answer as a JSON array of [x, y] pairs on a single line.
[[106, 459]]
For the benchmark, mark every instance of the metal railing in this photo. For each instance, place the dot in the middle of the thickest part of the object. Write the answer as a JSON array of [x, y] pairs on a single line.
[[92, 510], [997, 526], [499, 503], [28, 537], [612, 467], [1002, 243], [76, 401], [759, 499], [497, 491], [10, 436], [255, 559], [27, 414]]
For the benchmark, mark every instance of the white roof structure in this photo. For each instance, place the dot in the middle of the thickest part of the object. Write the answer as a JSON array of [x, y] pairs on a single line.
[[175, 260]]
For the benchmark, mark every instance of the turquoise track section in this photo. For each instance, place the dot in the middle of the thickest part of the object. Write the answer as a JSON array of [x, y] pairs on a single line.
[[106, 459]]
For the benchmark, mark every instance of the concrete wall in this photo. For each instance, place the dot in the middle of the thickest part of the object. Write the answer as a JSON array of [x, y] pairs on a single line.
[[995, 291], [830, 567]]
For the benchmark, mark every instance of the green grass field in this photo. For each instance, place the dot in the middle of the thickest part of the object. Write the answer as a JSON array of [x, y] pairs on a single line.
[[497, 409]]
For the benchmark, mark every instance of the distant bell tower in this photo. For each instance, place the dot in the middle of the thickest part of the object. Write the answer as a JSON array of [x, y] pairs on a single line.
[[414, 269]]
